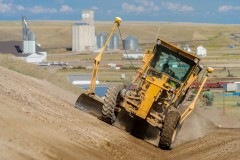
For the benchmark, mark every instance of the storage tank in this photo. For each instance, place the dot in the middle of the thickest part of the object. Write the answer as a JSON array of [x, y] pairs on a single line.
[[83, 37], [98, 35], [31, 36], [103, 39], [29, 43], [110, 43], [130, 43], [115, 41]]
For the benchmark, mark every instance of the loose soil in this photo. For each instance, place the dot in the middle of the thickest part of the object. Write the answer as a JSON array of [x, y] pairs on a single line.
[[38, 121]]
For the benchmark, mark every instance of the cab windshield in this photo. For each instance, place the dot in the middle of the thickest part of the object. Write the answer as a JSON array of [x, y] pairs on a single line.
[[171, 63]]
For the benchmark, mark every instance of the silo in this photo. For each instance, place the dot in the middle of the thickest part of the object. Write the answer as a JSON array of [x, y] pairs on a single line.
[[131, 43], [102, 39], [29, 44], [86, 37], [31, 36], [98, 37], [115, 41], [110, 43], [83, 33]]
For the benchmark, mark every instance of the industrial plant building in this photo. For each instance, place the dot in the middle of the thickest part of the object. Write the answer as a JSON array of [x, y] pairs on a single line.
[[85, 38], [27, 49], [83, 34]]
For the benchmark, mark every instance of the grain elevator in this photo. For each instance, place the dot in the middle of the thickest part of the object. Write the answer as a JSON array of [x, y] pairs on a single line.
[[83, 33]]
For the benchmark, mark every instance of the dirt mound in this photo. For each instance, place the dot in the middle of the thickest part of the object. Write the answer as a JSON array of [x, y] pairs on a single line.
[[38, 121]]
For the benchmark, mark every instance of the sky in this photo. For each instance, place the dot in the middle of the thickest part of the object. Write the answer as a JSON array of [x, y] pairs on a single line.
[[197, 11]]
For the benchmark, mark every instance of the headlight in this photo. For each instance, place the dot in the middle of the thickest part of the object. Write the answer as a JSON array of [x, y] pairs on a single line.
[[144, 75]]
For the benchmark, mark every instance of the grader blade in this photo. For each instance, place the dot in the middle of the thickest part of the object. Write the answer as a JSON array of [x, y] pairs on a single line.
[[91, 104]]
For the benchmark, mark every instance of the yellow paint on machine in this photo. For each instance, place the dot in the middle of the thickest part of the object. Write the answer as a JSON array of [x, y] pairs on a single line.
[[146, 104]]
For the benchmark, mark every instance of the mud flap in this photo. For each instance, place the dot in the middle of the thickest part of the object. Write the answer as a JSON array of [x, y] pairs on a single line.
[[91, 104]]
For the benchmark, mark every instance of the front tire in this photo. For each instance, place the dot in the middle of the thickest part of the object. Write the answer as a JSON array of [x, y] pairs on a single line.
[[169, 131], [110, 102]]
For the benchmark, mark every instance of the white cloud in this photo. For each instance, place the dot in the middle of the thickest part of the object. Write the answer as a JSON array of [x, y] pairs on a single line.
[[59, 1], [224, 8], [5, 7], [132, 8], [65, 9], [8, 8], [227, 8], [94, 8], [20, 8], [177, 7], [145, 2], [149, 5], [40, 9], [140, 6]]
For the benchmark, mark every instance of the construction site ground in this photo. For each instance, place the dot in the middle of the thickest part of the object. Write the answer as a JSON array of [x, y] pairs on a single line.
[[38, 121]]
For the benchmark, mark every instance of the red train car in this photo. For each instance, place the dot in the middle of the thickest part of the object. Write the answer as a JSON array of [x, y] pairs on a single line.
[[211, 84]]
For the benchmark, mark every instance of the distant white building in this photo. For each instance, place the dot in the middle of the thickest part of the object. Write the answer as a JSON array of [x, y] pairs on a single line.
[[187, 48], [27, 49], [83, 34], [36, 58], [29, 45], [16, 48], [201, 51], [133, 56], [112, 65], [82, 79]]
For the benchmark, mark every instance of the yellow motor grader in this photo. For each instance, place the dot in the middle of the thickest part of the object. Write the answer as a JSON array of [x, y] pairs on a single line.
[[159, 97]]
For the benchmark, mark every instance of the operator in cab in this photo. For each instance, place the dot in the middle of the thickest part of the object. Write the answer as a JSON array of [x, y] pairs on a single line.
[[167, 70]]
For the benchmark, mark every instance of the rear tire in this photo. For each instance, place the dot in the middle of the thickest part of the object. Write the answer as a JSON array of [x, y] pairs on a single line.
[[169, 131], [109, 105]]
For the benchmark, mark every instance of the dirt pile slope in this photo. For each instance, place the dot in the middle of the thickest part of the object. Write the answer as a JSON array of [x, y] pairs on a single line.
[[38, 121]]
